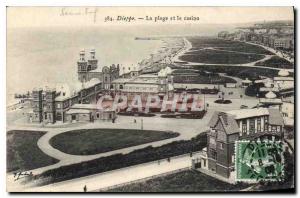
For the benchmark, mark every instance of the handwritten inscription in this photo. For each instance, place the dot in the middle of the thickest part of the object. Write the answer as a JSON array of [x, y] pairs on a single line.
[[20, 175], [80, 12]]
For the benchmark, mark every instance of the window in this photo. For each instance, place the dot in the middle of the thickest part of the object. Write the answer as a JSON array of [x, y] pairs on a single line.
[[213, 154], [252, 125], [97, 115], [278, 128], [244, 128], [266, 119], [58, 116], [58, 105], [266, 123], [258, 124], [273, 128], [222, 146]]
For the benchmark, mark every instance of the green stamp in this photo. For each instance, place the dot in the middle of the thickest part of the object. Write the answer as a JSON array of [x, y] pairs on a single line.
[[259, 160]]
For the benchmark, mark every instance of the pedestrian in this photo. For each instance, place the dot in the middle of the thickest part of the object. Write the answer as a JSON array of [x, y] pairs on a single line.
[[84, 188], [134, 120]]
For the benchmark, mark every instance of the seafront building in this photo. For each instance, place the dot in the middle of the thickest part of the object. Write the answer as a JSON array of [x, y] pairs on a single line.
[[52, 105], [277, 36], [76, 102], [89, 69], [161, 84]]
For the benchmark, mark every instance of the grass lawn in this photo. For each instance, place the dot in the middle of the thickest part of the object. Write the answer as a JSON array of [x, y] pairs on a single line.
[[202, 42], [93, 141], [117, 161], [240, 72], [186, 181], [23, 153], [200, 78], [220, 57], [276, 62]]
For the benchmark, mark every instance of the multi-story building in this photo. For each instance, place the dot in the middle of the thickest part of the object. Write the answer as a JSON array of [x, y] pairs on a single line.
[[161, 83], [88, 69], [226, 128], [51, 105], [220, 143], [37, 106]]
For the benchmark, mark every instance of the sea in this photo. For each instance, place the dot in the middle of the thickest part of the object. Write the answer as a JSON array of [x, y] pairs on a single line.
[[39, 57]]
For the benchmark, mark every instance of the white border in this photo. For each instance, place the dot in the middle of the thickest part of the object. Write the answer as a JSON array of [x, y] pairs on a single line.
[[109, 3]]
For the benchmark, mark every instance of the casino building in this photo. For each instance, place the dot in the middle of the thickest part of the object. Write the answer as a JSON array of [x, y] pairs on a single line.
[[144, 84], [76, 102], [52, 105], [89, 69]]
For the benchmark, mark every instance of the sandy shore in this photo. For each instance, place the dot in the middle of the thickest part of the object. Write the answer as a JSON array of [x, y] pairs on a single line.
[[187, 46]]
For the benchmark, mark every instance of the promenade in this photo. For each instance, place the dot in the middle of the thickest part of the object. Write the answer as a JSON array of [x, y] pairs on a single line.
[[112, 179]]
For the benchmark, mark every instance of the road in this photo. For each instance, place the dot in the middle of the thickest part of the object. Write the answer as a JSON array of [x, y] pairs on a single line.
[[116, 177], [278, 53]]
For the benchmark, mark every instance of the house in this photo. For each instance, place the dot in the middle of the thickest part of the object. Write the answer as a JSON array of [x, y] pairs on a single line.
[[228, 127], [220, 143]]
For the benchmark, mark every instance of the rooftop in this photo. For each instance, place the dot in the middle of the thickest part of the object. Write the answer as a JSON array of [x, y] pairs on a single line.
[[227, 120], [247, 113]]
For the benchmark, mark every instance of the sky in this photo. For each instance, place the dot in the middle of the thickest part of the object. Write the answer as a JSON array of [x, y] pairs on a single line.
[[95, 16]]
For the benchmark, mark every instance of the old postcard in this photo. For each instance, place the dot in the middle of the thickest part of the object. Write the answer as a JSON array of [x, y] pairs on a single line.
[[150, 99]]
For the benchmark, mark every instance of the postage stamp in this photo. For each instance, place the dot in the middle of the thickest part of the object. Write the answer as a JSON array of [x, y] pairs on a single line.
[[259, 160]]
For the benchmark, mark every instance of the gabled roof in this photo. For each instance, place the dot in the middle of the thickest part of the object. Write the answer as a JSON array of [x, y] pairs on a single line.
[[228, 122]]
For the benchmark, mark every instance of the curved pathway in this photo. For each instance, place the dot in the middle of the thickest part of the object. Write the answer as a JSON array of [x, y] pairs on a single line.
[[163, 124]]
